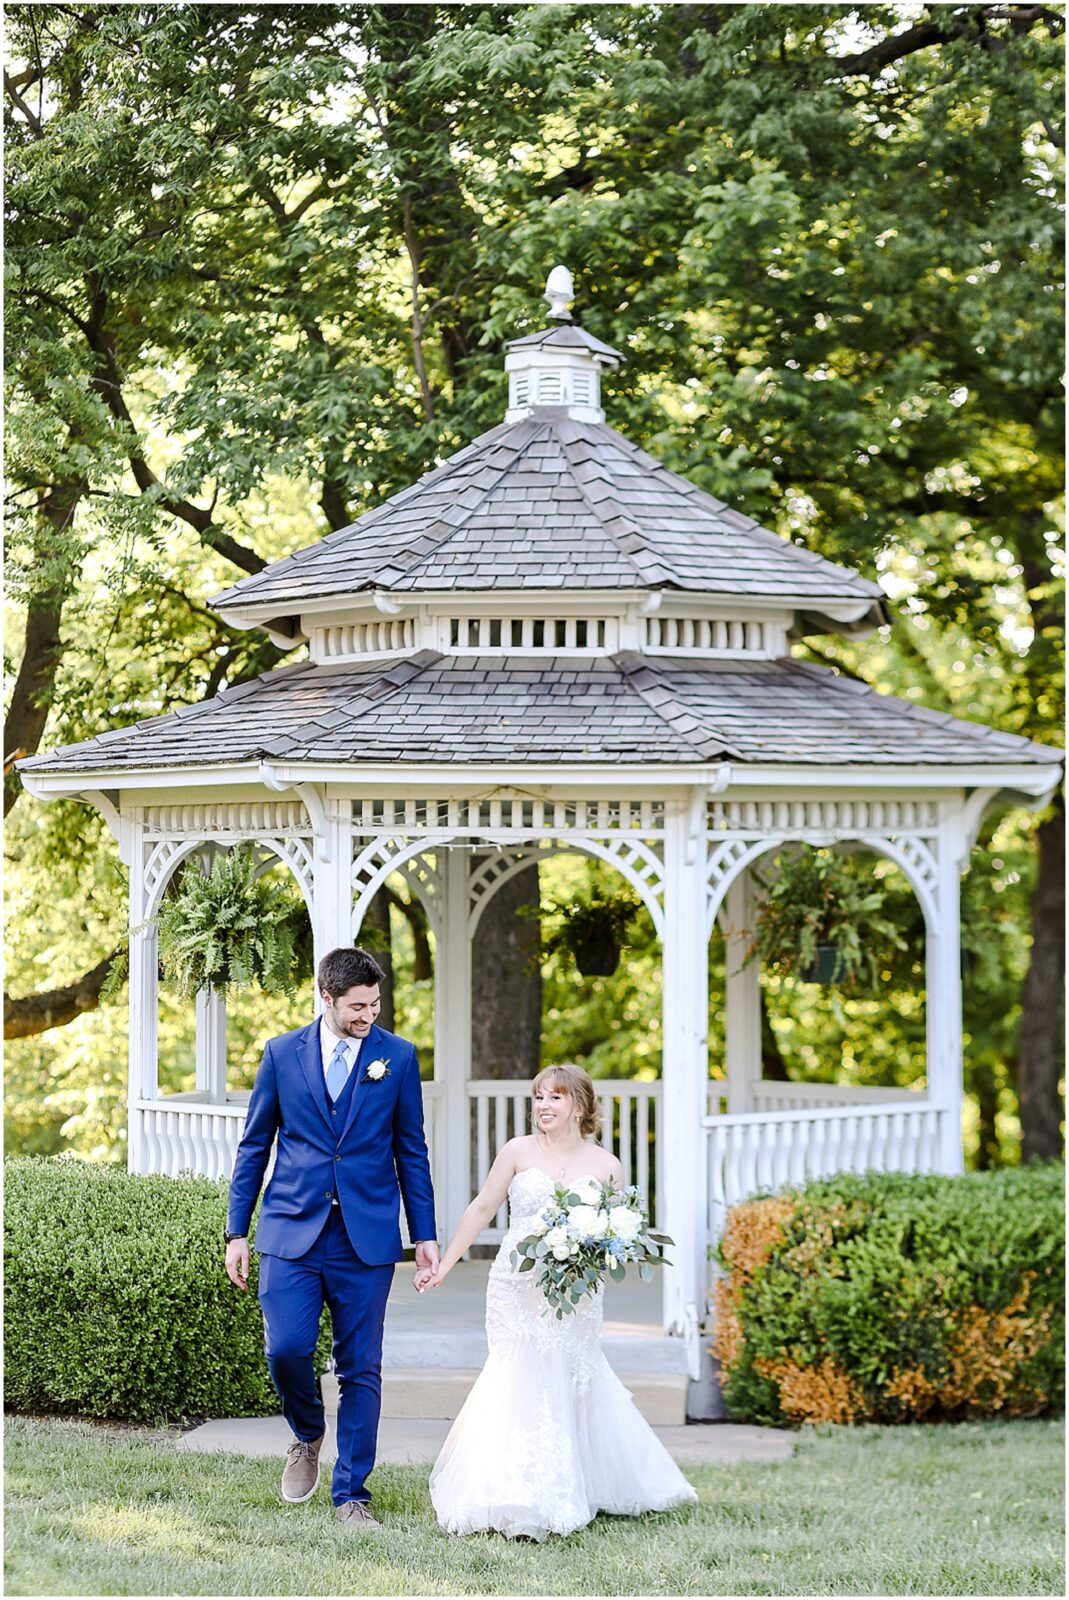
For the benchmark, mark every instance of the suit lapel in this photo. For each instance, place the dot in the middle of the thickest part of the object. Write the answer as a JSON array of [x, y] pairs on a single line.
[[370, 1049], [311, 1061]]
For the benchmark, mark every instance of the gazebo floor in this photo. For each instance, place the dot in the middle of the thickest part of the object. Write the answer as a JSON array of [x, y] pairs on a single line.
[[444, 1327], [435, 1345]]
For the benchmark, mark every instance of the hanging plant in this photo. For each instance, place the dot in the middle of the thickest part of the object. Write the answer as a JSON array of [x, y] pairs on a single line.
[[591, 931], [229, 929], [821, 922]]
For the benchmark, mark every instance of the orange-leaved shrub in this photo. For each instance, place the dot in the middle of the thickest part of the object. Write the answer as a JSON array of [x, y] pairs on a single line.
[[890, 1297]]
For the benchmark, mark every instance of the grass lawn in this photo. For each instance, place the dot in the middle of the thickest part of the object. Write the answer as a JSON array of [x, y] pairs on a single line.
[[968, 1510]]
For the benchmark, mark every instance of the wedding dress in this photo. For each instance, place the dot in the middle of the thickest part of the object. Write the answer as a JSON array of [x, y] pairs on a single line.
[[548, 1436]]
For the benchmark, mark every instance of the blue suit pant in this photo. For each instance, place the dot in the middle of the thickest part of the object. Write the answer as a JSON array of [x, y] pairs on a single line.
[[292, 1293]]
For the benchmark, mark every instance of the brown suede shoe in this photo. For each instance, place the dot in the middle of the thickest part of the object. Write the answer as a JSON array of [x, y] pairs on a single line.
[[356, 1515], [300, 1475]]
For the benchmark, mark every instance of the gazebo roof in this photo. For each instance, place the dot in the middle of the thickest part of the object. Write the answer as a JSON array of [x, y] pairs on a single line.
[[552, 503], [615, 709]]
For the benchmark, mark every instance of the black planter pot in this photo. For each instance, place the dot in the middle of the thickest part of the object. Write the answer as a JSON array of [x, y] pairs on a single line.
[[598, 957], [825, 966]]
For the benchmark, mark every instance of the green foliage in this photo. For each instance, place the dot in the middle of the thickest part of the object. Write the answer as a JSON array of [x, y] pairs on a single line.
[[837, 286], [117, 1304], [888, 1297], [228, 928], [819, 898], [585, 926]]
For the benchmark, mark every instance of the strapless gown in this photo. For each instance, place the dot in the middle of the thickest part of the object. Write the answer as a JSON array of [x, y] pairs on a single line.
[[548, 1435]]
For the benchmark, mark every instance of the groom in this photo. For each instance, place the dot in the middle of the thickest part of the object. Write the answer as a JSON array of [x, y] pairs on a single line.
[[344, 1098]]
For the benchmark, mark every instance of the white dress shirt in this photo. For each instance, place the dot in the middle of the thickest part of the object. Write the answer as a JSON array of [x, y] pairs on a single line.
[[328, 1042]]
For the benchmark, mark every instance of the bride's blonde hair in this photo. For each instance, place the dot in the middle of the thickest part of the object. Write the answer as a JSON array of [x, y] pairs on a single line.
[[566, 1075]]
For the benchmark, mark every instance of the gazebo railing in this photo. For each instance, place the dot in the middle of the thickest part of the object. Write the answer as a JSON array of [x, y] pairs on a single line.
[[761, 1150], [184, 1134], [771, 1095], [890, 1129], [500, 1109]]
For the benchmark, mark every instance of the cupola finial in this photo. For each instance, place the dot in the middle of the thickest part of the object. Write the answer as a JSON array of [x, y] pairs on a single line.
[[560, 293]]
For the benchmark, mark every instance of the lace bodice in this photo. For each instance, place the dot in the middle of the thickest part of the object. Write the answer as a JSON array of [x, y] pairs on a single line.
[[528, 1193]]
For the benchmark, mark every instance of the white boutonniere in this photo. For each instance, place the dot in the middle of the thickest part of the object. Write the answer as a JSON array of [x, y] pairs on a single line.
[[377, 1070]]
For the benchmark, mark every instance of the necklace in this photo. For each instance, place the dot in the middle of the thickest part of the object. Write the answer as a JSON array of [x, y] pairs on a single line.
[[564, 1163]]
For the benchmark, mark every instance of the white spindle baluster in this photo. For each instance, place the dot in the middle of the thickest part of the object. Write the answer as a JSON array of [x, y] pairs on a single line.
[[626, 1100], [482, 1141], [642, 1145], [500, 1139]]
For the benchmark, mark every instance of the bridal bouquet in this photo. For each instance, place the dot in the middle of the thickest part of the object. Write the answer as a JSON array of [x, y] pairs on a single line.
[[587, 1230]]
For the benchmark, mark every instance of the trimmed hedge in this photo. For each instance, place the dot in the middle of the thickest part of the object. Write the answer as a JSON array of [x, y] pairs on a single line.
[[889, 1297], [116, 1301]]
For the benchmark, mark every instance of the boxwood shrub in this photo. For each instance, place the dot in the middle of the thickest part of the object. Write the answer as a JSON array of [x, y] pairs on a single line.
[[116, 1301], [889, 1297]]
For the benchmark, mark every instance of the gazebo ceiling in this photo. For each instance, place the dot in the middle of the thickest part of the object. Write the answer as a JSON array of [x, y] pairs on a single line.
[[619, 709]]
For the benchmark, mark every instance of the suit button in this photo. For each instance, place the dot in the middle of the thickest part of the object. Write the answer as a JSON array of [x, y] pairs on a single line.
[[337, 1157], [334, 1111], [329, 1195]]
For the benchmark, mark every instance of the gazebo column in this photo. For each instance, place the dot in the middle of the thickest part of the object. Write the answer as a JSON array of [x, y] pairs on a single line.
[[211, 1045], [742, 1021], [331, 910], [143, 988], [943, 988], [681, 1153], [452, 1038]]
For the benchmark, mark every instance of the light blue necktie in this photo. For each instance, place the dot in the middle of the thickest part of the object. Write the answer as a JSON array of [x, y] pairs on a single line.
[[337, 1071]]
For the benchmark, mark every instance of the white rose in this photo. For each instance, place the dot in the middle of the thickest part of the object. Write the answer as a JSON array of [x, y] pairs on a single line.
[[588, 1191], [376, 1070], [588, 1223], [556, 1238], [561, 1252], [626, 1223], [539, 1225]]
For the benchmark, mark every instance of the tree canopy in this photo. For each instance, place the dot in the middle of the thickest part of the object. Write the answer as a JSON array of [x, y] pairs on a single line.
[[261, 264]]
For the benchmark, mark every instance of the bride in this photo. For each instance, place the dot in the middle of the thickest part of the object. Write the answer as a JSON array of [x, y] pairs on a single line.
[[548, 1436]]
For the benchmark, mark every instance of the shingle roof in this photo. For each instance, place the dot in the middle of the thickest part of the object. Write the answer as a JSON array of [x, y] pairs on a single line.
[[485, 709], [549, 503]]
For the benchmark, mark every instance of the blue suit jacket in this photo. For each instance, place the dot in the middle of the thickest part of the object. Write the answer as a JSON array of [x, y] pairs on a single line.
[[377, 1155]]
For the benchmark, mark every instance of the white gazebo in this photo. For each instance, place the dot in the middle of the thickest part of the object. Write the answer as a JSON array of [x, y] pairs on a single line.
[[551, 642]]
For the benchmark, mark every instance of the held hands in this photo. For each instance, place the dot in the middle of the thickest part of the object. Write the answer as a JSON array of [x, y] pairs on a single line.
[[428, 1266], [237, 1262]]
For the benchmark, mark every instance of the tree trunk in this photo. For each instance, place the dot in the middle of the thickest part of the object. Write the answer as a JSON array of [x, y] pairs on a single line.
[[772, 1063], [985, 1088], [1042, 1056], [35, 685], [36, 1013], [414, 914], [375, 939], [506, 984]]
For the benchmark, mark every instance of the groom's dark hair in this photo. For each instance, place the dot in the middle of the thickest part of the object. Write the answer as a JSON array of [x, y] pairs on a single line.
[[345, 969]]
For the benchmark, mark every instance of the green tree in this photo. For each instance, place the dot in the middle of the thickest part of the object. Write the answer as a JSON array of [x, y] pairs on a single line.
[[262, 261]]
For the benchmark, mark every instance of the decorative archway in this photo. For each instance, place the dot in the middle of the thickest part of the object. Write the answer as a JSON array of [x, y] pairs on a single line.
[[916, 860], [166, 857]]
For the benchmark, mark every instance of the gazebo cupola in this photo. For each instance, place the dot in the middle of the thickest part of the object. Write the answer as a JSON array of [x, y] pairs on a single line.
[[558, 366], [552, 536]]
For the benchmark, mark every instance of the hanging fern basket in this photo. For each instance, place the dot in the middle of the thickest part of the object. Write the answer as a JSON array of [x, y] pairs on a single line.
[[229, 928], [598, 956], [825, 967]]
